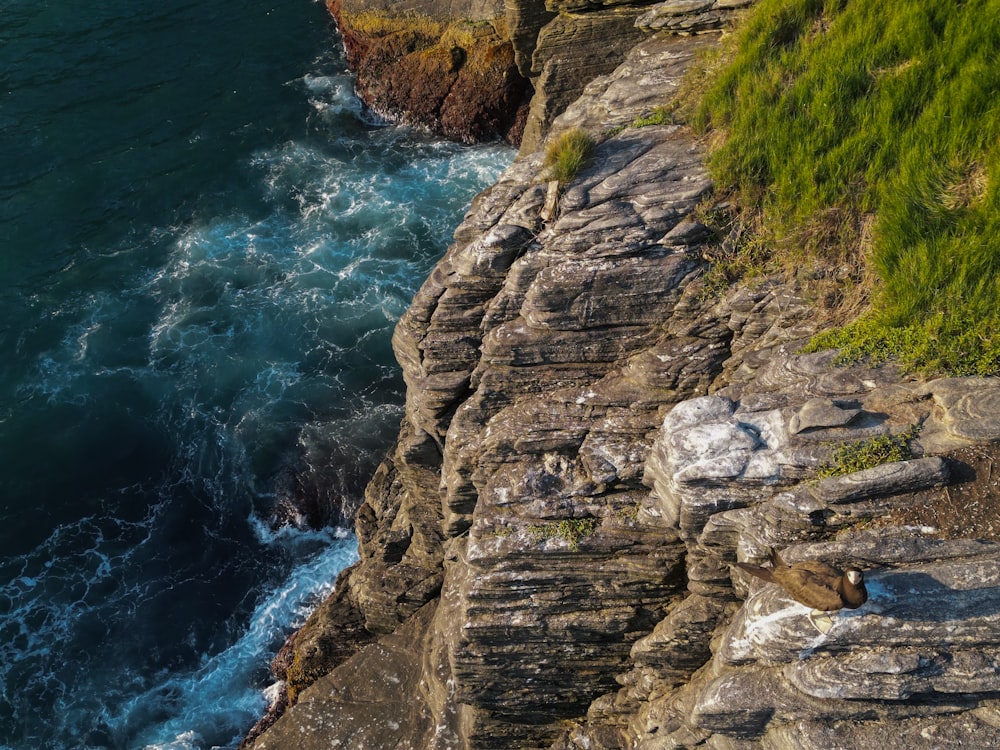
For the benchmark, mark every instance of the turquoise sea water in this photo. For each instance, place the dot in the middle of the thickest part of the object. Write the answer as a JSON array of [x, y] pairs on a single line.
[[205, 245]]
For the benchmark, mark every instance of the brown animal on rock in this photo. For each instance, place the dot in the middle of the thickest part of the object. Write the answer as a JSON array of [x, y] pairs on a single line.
[[816, 584]]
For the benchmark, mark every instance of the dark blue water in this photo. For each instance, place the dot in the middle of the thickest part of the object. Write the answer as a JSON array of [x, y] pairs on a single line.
[[205, 245]]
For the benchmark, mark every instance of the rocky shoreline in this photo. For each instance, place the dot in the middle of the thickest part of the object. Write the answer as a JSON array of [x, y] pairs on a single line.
[[594, 436]]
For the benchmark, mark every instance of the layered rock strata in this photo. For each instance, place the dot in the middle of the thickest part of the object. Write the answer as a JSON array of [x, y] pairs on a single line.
[[735, 476], [539, 359], [592, 440], [691, 16]]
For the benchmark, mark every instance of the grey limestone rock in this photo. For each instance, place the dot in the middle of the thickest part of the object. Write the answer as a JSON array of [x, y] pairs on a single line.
[[968, 407], [977, 728], [366, 702], [709, 459], [591, 440], [821, 412], [899, 674], [886, 479], [679, 644], [746, 702], [571, 50], [690, 16], [650, 73]]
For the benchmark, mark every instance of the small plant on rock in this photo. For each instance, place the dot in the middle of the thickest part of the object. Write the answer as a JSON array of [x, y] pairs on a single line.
[[567, 153], [661, 115], [866, 454], [571, 530]]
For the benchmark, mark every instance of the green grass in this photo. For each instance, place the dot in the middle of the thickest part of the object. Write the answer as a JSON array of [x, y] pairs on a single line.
[[569, 530], [739, 251], [660, 115], [567, 153], [866, 454], [878, 108]]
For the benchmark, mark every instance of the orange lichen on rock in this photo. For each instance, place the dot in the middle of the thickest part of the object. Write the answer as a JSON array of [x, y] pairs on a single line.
[[457, 78]]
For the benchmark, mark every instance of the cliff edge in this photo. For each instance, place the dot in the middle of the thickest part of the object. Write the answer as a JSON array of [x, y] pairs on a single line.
[[595, 434]]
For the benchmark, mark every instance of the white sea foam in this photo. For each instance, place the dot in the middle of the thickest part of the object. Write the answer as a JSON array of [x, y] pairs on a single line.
[[254, 344], [183, 741], [333, 95], [225, 691]]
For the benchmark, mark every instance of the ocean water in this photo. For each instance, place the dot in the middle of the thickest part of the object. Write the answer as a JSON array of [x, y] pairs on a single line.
[[206, 242]]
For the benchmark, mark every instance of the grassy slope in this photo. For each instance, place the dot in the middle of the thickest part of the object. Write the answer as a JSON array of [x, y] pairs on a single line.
[[881, 108]]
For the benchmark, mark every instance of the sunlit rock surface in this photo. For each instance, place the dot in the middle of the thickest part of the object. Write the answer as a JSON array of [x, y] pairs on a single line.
[[592, 440]]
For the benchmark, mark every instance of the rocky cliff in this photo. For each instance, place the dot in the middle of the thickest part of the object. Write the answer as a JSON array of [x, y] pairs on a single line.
[[448, 66], [593, 437], [483, 69]]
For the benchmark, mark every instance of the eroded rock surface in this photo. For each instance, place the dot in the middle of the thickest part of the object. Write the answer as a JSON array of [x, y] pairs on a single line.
[[691, 16], [734, 474], [592, 441], [540, 357], [370, 701]]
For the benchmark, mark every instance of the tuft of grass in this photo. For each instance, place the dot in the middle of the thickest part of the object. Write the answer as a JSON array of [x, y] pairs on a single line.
[[660, 115], [962, 343], [500, 532], [888, 110], [738, 252], [866, 454], [629, 513], [571, 530], [567, 153]]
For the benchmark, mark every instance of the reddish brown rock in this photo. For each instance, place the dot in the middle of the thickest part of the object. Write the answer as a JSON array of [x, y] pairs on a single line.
[[489, 97], [424, 66], [518, 582]]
